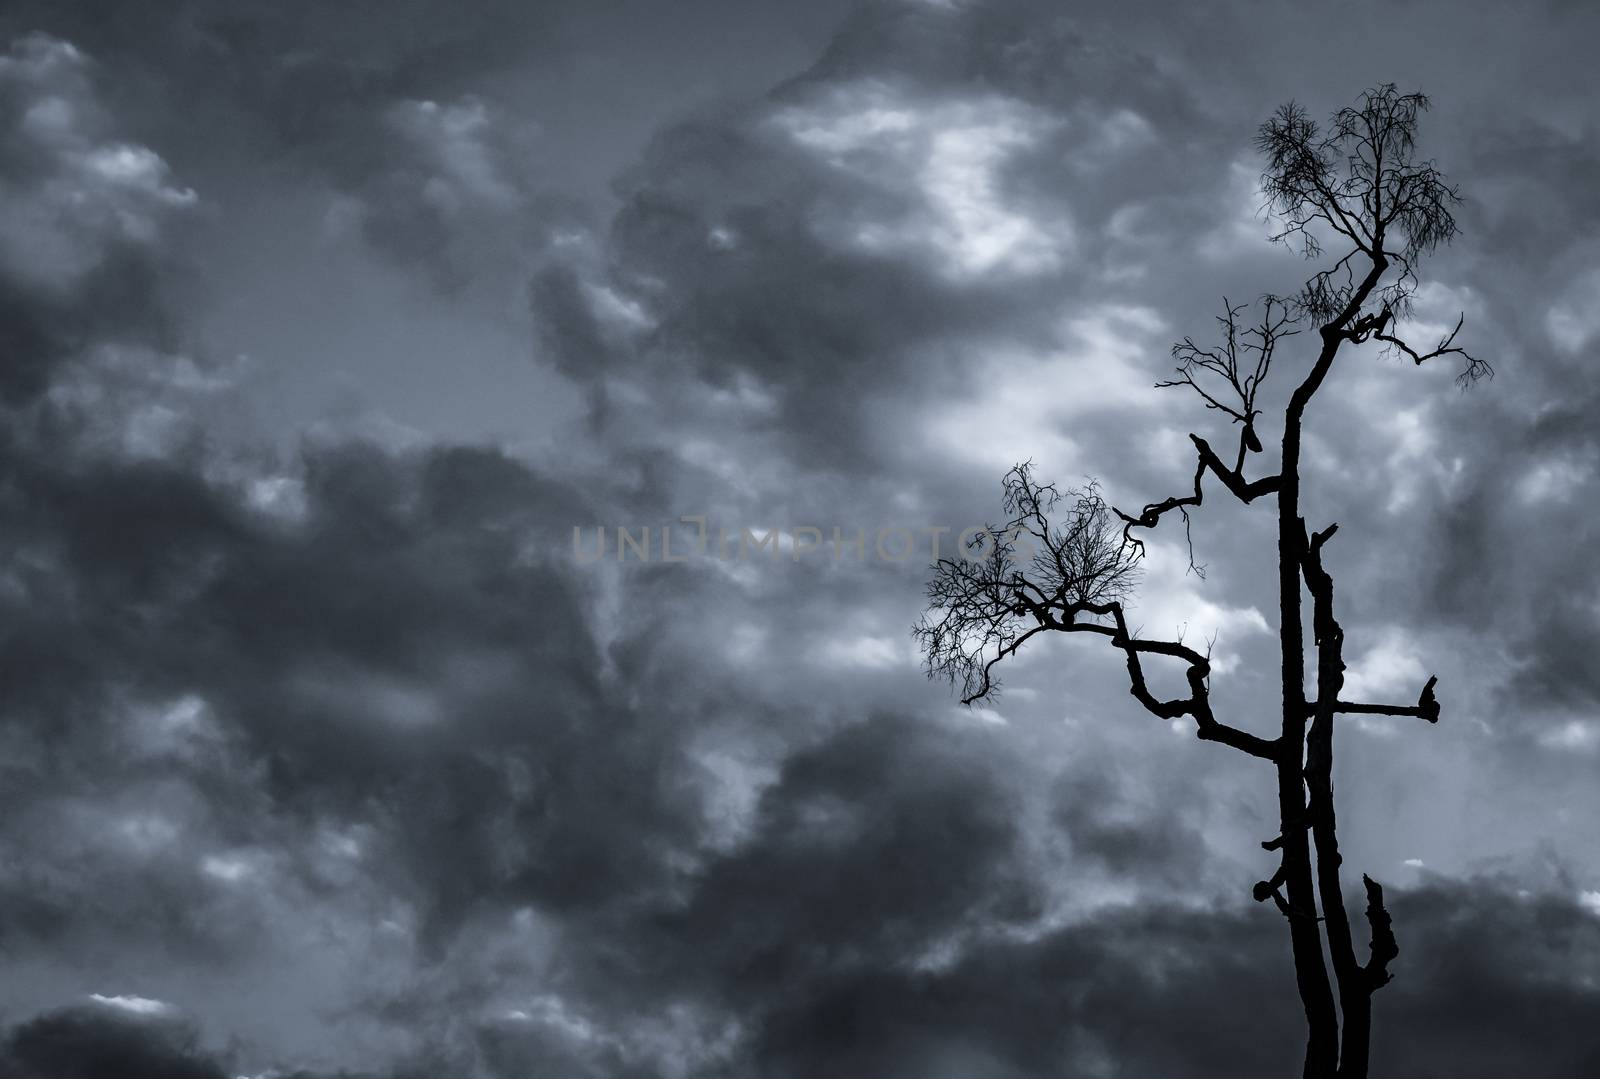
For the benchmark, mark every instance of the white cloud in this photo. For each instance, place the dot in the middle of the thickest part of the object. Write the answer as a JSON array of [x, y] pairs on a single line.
[[1573, 320], [228, 868], [1575, 735], [1013, 389], [1387, 672], [865, 651], [1173, 603], [455, 141], [183, 727], [1241, 229], [134, 1005], [1554, 479], [147, 832], [945, 161], [81, 192], [281, 497], [733, 782]]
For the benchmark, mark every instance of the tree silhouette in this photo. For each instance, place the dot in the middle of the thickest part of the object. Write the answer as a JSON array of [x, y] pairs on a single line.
[[1067, 562]]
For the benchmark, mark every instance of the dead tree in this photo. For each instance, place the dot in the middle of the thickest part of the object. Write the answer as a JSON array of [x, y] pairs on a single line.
[[1066, 563]]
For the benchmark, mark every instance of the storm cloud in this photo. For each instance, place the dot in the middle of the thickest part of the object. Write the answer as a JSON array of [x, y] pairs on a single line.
[[323, 327]]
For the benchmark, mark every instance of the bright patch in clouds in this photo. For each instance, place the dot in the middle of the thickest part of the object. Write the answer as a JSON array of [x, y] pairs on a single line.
[[134, 1005], [948, 159], [1573, 320], [85, 193], [866, 651], [230, 869], [1096, 370], [454, 138], [1554, 480], [1435, 309], [1241, 229], [1575, 735], [1388, 671], [1173, 604], [147, 831]]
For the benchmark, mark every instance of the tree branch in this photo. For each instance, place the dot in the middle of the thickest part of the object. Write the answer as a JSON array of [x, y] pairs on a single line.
[[1384, 947], [1473, 368], [1244, 490], [985, 608], [1426, 708], [1197, 704]]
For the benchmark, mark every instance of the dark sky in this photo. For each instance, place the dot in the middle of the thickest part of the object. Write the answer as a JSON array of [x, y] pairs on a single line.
[[323, 325]]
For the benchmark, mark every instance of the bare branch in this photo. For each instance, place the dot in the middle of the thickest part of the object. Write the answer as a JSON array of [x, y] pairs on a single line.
[[1473, 368], [1384, 947], [1228, 377], [1245, 491], [1427, 706], [982, 602], [1067, 574], [1360, 180]]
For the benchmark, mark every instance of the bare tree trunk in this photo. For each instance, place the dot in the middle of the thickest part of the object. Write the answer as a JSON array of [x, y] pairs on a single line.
[[1356, 982], [1354, 1000], [1316, 996], [1355, 986]]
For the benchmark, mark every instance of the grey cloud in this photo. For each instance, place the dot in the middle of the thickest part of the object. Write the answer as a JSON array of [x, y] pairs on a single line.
[[1489, 981], [96, 1043], [810, 889], [639, 820], [1517, 547], [81, 252], [453, 187], [323, 98], [388, 654]]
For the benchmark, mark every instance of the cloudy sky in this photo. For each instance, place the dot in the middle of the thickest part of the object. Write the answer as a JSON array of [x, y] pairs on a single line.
[[323, 325]]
